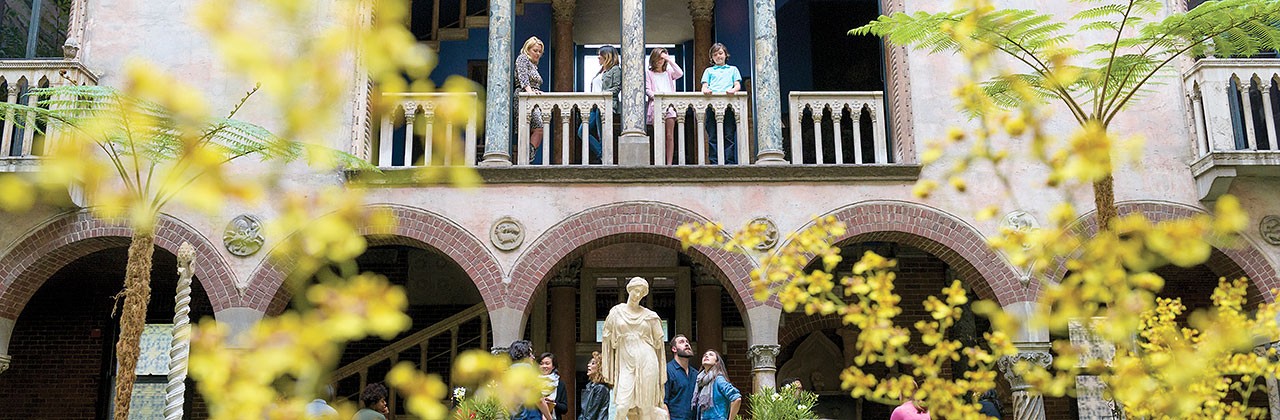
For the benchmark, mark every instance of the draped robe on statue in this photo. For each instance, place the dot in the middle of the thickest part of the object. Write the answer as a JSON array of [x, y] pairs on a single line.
[[633, 360]]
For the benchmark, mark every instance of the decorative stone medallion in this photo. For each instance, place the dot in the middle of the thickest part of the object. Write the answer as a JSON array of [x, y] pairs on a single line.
[[243, 236], [1269, 228], [1021, 221], [507, 234], [770, 233]]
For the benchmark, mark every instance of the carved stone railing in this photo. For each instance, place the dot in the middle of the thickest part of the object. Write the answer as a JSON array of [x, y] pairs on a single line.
[[856, 103], [1233, 120], [408, 109], [698, 102], [19, 140], [388, 356], [568, 105]]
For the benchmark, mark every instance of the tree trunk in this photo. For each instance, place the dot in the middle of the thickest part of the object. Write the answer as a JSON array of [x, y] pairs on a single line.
[[133, 316], [1104, 198]]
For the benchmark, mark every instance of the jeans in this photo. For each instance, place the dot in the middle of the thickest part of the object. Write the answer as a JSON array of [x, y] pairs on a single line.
[[594, 131], [730, 138]]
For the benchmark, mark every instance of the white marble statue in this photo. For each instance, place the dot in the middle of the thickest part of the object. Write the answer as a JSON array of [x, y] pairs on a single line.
[[633, 358]]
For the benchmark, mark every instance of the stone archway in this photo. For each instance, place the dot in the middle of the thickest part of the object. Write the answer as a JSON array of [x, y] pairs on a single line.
[[415, 228], [71, 236]]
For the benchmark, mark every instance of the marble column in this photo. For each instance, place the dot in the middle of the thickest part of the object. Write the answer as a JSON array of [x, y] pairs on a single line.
[[710, 332], [768, 103], [1273, 386], [764, 366], [564, 294], [562, 13], [500, 88], [1026, 404], [633, 145], [701, 11]]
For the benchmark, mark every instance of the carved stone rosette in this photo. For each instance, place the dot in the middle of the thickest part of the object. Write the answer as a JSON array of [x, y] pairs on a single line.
[[1026, 405], [507, 234], [243, 236], [1269, 229], [701, 10], [770, 234], [5, 359]]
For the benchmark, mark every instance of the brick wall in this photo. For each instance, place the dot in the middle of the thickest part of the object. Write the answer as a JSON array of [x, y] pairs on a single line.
[[61, 343]]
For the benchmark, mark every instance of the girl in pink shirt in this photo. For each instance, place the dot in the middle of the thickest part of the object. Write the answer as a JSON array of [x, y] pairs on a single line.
[[661, 77], [909, 410]]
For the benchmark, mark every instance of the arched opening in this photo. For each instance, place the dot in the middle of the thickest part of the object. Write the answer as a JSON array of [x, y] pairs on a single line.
[[815, 349], [63, 343], [686, 290]]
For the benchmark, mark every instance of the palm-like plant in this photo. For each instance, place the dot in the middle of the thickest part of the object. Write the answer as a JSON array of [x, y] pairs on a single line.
[[1137, 49], [132, 158]]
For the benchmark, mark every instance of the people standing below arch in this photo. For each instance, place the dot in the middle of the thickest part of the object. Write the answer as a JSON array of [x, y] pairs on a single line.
[[608, 79], [681, 378], [595, 396], [528, 80], [554, 403], [722, 78], [661, 77], [715, 398]]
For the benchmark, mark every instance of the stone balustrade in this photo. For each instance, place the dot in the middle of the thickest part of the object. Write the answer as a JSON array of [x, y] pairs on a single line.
[[1233, 104], [682, 103], [567, 105], [403, 143], [20, 136], [838, 105]]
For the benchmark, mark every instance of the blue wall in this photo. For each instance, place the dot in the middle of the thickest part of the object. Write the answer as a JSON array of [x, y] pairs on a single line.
[[536, 21], [733, 29], [795, 55]]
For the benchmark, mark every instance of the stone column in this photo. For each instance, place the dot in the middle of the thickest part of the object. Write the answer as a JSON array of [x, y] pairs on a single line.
[[1273, 387], [564, 340], [562, 12], [710, 332], [507, 325], [701, 11], [499, 92], [768, 103], [764, 366], [633, 145], [1026, 405]]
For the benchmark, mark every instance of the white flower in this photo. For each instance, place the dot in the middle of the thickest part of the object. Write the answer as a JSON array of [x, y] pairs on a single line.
[[802, 407], [776, 397], [459, 393]]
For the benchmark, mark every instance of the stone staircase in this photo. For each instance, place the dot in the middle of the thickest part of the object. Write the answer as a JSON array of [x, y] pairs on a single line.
[[451, 28]]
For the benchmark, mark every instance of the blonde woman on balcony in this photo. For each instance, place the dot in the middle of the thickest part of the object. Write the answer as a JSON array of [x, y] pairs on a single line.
[[661, 77], [608, 79], [529, 81]]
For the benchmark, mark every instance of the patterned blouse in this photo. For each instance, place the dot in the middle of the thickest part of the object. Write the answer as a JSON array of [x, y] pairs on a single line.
[[527, 76]]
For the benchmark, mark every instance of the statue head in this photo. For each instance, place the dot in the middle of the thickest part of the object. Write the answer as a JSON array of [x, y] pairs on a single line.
[[637, 288]]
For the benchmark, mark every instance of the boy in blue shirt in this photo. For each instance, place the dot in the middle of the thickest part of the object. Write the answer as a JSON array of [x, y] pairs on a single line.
[[722, 78]]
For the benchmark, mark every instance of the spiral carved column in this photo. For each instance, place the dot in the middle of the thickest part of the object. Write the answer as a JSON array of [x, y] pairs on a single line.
[[1027, 405], [181, 344]]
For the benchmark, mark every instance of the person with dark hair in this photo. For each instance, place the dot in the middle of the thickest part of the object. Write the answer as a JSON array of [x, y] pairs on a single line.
[[681, 377], [715, 398], [990, 404], [521, 352], [374, 398], [595, 397], [554, 403]]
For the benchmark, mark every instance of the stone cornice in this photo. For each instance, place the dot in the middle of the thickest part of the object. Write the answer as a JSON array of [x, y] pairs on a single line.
[[745, 174]]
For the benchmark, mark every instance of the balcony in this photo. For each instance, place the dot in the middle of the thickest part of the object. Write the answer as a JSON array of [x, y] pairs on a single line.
[[1234, 104], [829, 136], [20, 144]]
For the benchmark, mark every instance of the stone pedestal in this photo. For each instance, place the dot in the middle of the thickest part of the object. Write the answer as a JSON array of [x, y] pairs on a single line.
[[497, 121], [764, 366], [1026, 405]]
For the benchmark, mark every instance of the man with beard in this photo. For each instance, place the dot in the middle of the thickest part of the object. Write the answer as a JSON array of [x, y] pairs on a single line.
[[681, 378]]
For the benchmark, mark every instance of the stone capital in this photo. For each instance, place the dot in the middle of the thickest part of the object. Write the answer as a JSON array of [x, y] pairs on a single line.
[[764, 356], [5, 359], [563, 10], [701, 10], [1008, 365]]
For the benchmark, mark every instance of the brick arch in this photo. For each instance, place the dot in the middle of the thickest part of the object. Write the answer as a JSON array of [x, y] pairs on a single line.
[[73, 235], [416, 228], [637, 221], [1246, 260], [944, 236]]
